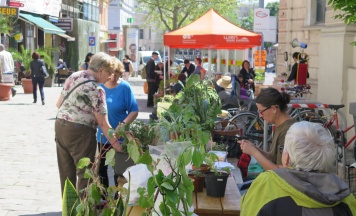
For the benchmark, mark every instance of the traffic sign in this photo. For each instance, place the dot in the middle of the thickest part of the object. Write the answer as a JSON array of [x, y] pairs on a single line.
[[91, 41]]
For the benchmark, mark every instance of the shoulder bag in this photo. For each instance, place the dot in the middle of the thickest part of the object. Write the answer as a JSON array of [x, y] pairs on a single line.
[[67, 95]]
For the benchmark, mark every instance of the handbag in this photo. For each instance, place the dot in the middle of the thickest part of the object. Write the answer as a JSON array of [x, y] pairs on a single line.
[[44, 72], [145, 87]]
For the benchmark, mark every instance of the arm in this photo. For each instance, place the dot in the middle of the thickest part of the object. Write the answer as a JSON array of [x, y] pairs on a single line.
[[130, 67], [202, 73], [261, 156], [293, 73], [59, 101], [103, 123]]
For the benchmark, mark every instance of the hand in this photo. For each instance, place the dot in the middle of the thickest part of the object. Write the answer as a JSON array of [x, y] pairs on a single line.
[[117, 147], [247, 147], [250, 81]]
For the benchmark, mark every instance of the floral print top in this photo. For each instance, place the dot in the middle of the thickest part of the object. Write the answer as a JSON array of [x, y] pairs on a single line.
[[86, 99]]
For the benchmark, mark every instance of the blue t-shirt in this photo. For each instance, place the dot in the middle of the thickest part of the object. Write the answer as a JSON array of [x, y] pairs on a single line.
[[120, 102]]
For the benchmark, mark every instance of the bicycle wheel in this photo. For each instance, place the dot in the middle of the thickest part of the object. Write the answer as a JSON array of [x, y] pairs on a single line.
[[251, 125], [307, 115]]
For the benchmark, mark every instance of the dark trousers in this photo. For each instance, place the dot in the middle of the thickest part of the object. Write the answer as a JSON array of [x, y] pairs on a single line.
[[40, 82], [151, 92], [74, 142], [103, 169]]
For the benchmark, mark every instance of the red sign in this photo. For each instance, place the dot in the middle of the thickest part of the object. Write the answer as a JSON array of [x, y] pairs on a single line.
[[16, 4]]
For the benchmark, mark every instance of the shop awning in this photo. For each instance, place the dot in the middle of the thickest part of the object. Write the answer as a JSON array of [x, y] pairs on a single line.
[[46, 26]]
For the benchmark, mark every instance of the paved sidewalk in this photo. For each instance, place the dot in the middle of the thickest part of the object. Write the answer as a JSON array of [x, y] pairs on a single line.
[[29, 173]]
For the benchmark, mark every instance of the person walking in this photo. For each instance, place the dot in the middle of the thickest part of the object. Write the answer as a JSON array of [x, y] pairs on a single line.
[[122, 110], [7, 64], [81, 108], [128, 68], [37, 77], [151, 78]]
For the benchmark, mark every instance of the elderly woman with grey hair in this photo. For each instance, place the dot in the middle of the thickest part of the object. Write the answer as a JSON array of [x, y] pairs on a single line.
[[303, 186], [81, 108]]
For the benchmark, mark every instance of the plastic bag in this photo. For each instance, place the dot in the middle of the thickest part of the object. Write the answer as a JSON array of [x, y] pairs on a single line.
[[139, 178]]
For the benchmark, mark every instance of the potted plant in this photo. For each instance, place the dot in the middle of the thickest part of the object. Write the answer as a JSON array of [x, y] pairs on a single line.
[[144, 137], [216, 180], [198, 179]]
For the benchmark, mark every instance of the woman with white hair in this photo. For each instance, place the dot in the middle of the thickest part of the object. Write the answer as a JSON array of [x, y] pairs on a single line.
[[81, 108], [303, 186]]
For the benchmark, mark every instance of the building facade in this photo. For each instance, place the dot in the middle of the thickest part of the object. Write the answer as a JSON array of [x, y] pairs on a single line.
[[332, 62]]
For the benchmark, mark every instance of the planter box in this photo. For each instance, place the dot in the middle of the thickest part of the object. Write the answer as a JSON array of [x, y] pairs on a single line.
[[27, 86], [5, 91], [49, 82]]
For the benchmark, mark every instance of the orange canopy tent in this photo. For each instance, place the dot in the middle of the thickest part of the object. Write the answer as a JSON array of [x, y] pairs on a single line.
[[212, 31]]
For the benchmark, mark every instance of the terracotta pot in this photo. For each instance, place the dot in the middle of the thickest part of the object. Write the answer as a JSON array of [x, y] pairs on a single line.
[[5, 91], [27, 86], [198, 182]]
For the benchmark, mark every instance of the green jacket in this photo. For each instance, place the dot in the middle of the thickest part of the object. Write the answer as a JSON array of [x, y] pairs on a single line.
[[297, 193]]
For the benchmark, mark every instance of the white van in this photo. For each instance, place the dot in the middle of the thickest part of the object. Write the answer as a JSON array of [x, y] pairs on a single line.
[[144, 56]]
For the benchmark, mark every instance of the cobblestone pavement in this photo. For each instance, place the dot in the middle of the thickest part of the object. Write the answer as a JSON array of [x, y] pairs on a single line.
[[29, 179]]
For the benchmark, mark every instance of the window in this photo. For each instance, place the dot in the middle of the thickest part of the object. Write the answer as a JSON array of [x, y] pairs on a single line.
[[141, 33], [315, 12], [320, 11]]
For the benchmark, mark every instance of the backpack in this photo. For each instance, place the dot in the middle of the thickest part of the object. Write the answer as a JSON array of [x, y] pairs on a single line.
[[143, 72]]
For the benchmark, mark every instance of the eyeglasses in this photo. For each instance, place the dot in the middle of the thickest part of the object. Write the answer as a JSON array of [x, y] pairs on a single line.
[[261, 112]]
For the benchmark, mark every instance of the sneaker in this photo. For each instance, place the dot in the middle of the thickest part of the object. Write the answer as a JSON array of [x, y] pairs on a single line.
[[43, 103], [13, 92]]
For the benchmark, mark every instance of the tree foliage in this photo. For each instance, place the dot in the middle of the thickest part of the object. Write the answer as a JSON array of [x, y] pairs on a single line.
[[273, 8], [348, 9], [5, 24], [174, 14], [247, 22]]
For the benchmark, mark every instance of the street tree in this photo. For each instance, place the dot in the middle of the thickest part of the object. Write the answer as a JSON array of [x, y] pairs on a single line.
[[174, 14], [5, 24], [347, 9], [273, 8]]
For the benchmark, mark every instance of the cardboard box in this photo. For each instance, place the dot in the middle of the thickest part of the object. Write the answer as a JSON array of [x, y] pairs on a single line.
[[8, 78]]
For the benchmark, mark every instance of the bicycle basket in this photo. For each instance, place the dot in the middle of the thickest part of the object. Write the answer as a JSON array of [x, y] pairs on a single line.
[[225, 128]]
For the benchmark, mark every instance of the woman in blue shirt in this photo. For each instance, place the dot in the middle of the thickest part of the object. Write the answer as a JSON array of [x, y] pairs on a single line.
[[122, 108]]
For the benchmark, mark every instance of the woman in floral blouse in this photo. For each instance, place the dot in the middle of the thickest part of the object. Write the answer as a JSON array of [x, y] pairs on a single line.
[[80, 112]]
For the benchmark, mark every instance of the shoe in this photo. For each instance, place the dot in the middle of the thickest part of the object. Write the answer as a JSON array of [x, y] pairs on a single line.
[[43, 103], [34, 102], [13, 92]]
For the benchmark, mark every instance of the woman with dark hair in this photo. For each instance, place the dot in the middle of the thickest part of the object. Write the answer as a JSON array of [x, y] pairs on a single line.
[[199, 69], [128, 68], [272, 107], [248, 74], [37, 76], [86, 61]]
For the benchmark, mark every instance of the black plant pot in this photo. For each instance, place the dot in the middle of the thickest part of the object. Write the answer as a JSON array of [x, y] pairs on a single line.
[[122, 162], [215, 184]]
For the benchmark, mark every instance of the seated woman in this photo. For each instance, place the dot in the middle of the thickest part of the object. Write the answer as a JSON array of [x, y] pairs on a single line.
[[229, 99], [304, 186]]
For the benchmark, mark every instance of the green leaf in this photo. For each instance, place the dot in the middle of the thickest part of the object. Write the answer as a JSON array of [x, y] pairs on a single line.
[[70, 199], [133, 151], [84, 162], [164, 209], [88, 174], [110, 157], [197, 158], [145, 158], [94, 192], [150, 186], [167, 186]]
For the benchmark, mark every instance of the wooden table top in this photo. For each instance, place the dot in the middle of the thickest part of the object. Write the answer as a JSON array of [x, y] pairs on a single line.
[[227, 205]]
